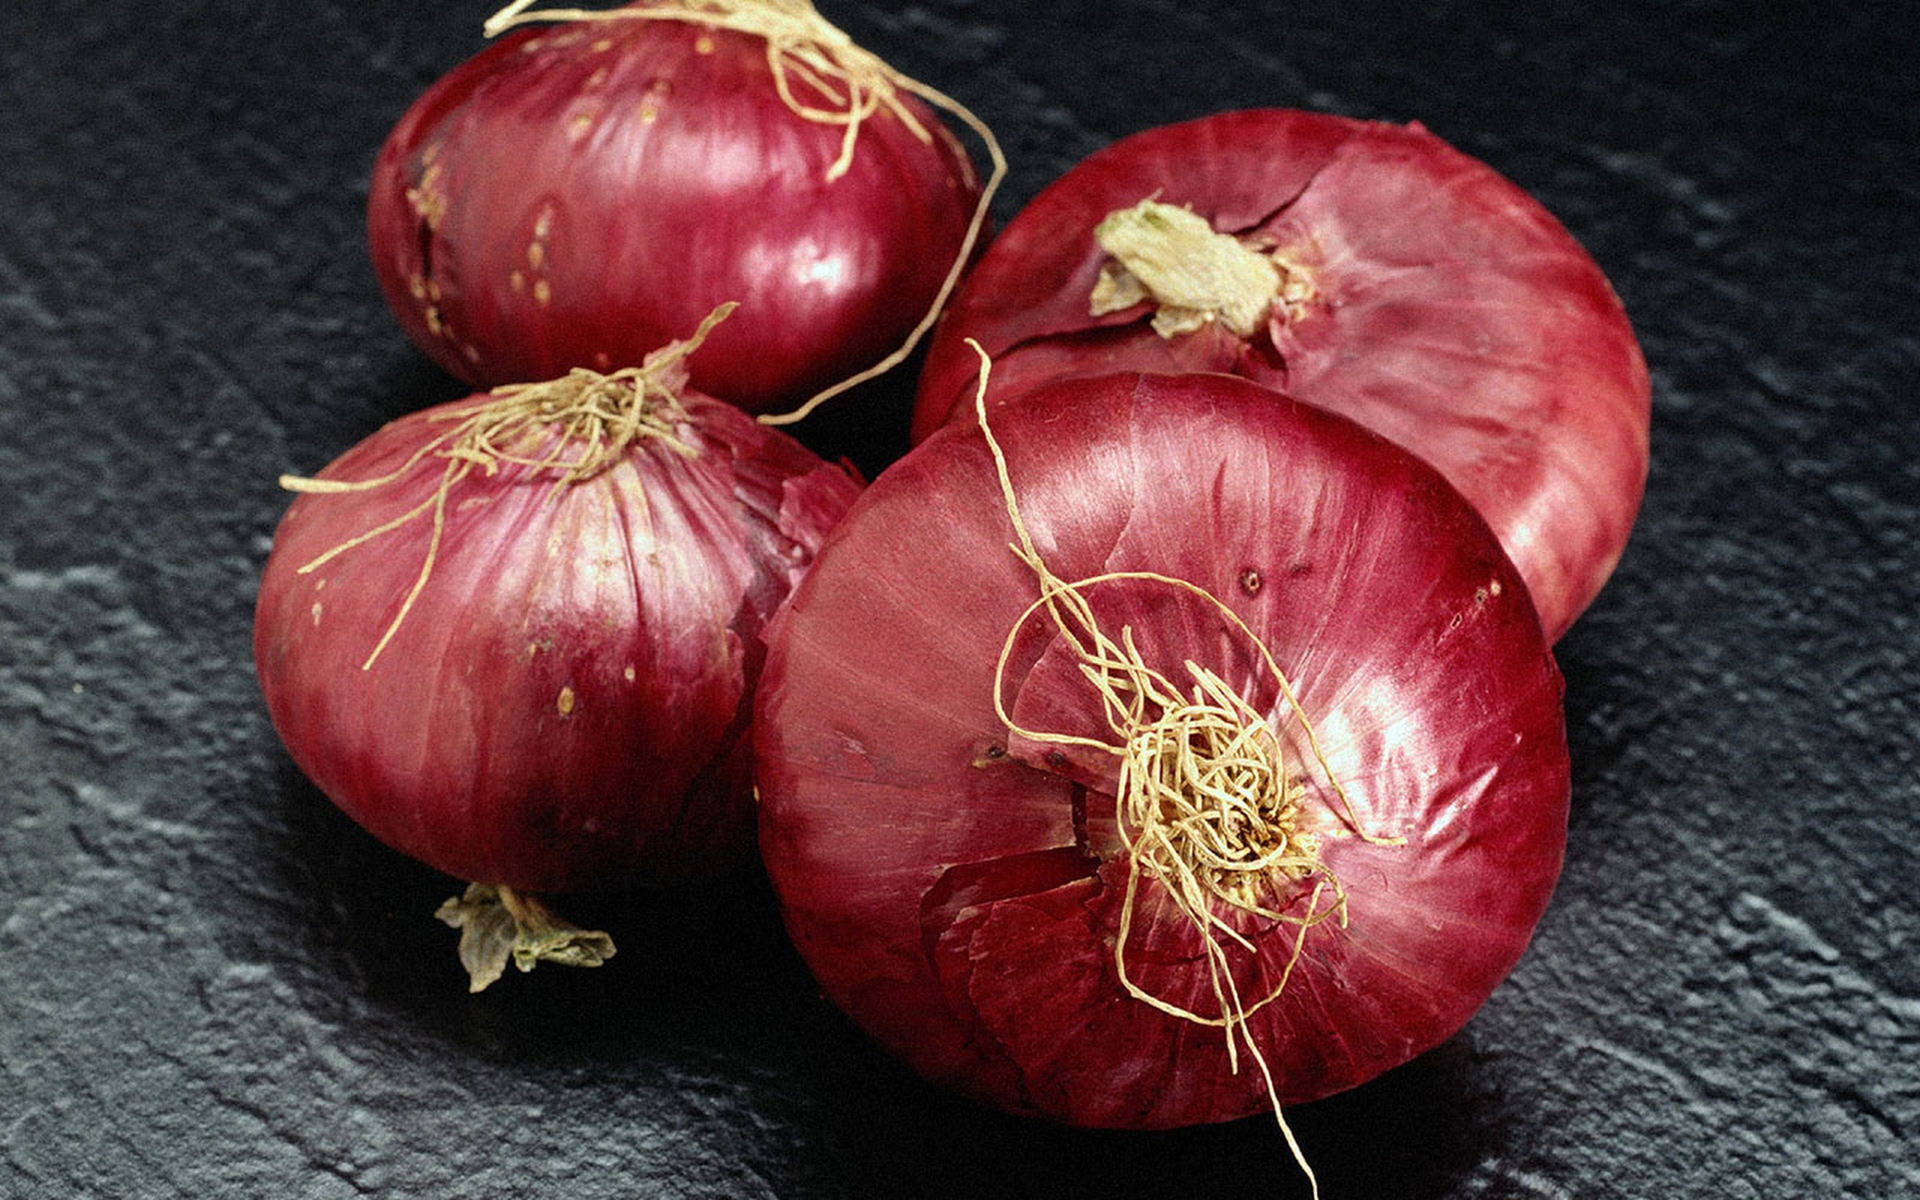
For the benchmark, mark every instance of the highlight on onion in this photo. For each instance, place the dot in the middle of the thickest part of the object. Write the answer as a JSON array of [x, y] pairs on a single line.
[[516, 637], [576, 195], [1181, 752], [1359, 266]]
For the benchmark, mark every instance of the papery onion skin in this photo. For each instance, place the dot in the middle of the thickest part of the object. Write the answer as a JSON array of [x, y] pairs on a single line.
[[575, 196], [951, 895], [1454, 315], [566, 704]]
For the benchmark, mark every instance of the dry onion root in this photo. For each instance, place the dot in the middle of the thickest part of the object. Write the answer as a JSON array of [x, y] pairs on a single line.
[[499, 926]]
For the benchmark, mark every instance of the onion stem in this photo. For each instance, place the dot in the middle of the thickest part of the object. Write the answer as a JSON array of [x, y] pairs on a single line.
[[1192, 274]]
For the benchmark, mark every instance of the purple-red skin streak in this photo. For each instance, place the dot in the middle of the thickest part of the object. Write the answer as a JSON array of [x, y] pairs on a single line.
[[1453, 315], [578, 195], [958, 892], [566, 705]]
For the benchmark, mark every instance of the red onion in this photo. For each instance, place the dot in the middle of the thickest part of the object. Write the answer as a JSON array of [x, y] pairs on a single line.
[[966, 883], [1370, 269], [576, 196], [514, 636]]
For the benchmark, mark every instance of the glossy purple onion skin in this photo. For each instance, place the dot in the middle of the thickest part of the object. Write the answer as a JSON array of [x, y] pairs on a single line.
[[566, 704], [578, 195], [962, 906], [1455, 316]]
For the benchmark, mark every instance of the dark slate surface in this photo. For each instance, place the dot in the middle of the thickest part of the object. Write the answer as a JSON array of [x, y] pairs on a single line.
[[212, 985]]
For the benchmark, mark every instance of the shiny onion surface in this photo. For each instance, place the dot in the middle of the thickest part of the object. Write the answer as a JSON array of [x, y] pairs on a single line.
[[577, 194], [960, 891]]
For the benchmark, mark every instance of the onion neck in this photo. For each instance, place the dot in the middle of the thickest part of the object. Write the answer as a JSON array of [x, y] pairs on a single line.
[[1193, 276], [499, 926], [596, 417]]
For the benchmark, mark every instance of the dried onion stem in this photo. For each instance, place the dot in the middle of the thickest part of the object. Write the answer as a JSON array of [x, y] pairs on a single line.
[[499, 925], [1192, 274]]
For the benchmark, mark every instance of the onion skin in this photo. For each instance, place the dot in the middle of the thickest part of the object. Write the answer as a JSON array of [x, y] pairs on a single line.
[[578, 195], [960, 905], [1454, 316], [565, 706]]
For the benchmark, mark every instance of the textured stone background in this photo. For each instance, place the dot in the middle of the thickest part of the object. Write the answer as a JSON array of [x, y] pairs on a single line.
[[213, 985]]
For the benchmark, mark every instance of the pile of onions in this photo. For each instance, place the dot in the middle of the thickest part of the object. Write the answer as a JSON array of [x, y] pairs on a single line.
[[574, 196], [1366, 268], [1248, 754], [516, 636], [1163, 750]]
